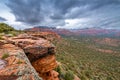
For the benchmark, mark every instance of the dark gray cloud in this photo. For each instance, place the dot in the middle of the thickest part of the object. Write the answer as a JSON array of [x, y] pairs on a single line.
[[2, 19], [55, 12], [27, 11]]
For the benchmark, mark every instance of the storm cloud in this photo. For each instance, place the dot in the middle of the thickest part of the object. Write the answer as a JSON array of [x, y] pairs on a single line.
[[96, 13]]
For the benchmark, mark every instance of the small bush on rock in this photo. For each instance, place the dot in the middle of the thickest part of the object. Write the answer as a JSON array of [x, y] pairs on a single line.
[[5, 55]]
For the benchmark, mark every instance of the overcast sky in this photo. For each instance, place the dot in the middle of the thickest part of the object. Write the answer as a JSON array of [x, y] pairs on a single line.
[[61, 13]]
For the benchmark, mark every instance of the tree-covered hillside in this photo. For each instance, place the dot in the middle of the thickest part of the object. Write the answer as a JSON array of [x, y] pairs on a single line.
[[5, 28]]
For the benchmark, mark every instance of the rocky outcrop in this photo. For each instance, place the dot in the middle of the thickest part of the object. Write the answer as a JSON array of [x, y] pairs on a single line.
[[50, 36], [15, 65], [18, 53]]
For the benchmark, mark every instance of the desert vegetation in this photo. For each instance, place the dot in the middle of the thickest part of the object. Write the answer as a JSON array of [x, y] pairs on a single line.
[[5, 28], [9, 30], [5, 55], [87, 63]]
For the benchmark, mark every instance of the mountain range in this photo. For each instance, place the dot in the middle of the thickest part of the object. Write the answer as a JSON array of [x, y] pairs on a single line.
[[86, 31]]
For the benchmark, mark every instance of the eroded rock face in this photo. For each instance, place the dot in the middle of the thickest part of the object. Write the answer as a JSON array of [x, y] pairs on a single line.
[[40, 52], [15, 65], [45, 64], [51, 75]]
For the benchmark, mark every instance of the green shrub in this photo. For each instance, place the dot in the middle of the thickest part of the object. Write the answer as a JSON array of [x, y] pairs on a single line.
[[5, 28], [109, 78], [1, 38], [5, 55], [58, 69], [19, 62], [69, 75], [83, 77], [13, 33], [61, 72]]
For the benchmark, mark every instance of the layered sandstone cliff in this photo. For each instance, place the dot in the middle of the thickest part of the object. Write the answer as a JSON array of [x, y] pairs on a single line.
[[15, 64], [27, 57]]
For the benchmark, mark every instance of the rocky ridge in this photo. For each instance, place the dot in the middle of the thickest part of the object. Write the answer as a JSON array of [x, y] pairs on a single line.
[[27, 57]]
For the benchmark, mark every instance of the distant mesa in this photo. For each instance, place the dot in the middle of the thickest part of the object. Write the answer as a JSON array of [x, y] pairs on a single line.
[[79, 32]]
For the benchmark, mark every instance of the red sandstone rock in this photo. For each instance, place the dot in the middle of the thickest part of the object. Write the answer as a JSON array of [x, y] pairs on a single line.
[[45, 64], [15, 65], [40, 52], [51, 36], [51, 75]]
